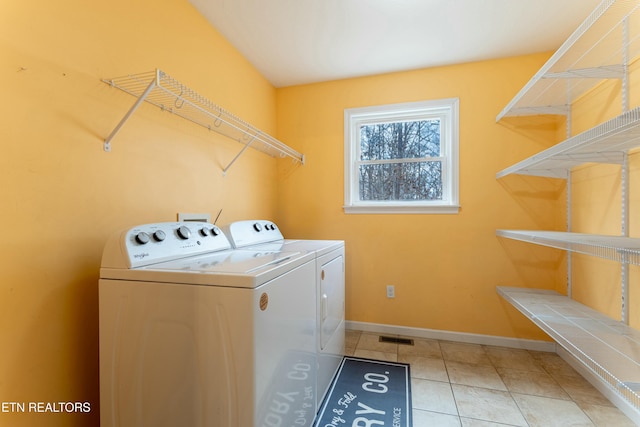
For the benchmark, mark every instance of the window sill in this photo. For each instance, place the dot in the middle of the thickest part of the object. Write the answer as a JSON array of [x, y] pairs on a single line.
[[386, 209]]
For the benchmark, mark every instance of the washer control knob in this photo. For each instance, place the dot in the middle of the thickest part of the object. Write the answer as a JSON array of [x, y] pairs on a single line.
[[159, 235], [205, 232], [184, 232], [215, 231], [142, 238], [257, 227]]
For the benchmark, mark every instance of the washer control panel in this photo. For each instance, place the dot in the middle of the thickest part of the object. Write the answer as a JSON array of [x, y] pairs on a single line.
[[252, 232], [151, 243]]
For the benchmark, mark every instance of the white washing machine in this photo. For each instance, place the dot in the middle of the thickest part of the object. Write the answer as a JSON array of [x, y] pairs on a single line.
[[194, 333], [330, 274]]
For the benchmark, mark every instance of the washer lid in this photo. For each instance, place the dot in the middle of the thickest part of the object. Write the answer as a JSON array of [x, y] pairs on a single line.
[[234, 268], [245, 262]]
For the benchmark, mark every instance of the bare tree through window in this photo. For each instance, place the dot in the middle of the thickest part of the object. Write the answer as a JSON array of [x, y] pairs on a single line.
[[393, 161], [402, 158]]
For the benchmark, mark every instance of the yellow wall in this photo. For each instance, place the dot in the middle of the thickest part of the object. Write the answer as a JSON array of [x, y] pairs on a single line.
[[445, 267], [62, 195]]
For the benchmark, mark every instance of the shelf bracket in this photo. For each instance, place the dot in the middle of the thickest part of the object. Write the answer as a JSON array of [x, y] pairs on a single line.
[[107, 142], [224, 171], [569, 229], [569, 219]]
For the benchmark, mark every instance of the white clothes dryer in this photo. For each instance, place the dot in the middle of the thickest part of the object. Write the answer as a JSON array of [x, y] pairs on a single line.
[[194, 333], [330, 287]]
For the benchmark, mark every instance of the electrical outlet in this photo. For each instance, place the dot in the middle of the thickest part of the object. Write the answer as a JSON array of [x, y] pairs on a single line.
[[391, 291]]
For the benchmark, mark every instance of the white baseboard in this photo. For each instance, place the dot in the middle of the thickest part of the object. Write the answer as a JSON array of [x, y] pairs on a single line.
[[452, 336], [526, 344]]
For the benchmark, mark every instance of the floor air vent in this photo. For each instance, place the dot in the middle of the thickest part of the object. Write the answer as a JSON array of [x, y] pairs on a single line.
[[394, 340]]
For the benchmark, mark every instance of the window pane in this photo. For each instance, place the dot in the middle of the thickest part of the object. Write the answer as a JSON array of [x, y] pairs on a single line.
[[401, 181], [400, 140]]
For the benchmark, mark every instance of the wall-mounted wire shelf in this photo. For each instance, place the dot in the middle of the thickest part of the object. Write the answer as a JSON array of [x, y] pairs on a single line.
[[599, 49], [605, 143], [159, 89], [609, 349], [616, 248]]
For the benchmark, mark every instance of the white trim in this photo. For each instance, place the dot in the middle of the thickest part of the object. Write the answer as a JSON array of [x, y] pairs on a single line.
[[402, 209], [549, 346], [448, 110], [525, 344]]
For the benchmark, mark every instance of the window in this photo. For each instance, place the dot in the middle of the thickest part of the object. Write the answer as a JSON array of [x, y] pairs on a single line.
[[402, 158]]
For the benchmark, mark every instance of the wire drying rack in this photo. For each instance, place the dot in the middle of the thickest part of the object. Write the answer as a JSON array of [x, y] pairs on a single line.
[[159, 89]]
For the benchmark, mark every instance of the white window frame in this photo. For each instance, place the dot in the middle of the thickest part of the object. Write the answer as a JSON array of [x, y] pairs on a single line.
[[447, 110]]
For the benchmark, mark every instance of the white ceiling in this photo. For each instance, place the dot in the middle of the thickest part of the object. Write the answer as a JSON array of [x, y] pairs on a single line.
[[304, 41]]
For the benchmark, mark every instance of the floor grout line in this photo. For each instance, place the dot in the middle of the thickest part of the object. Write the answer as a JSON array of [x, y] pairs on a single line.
[[498, 358]]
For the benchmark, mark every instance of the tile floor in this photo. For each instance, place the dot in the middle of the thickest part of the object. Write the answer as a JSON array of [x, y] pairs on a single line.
[[470, 385]]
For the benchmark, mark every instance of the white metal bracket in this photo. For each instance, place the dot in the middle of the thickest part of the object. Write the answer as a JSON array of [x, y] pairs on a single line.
[[107, 142]]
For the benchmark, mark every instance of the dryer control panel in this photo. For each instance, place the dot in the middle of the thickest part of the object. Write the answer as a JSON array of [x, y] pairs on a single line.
[[252, 232], [151, 243]]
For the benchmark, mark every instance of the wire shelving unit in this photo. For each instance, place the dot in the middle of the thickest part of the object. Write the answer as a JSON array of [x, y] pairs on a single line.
[[159, 89], [600, 49]]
